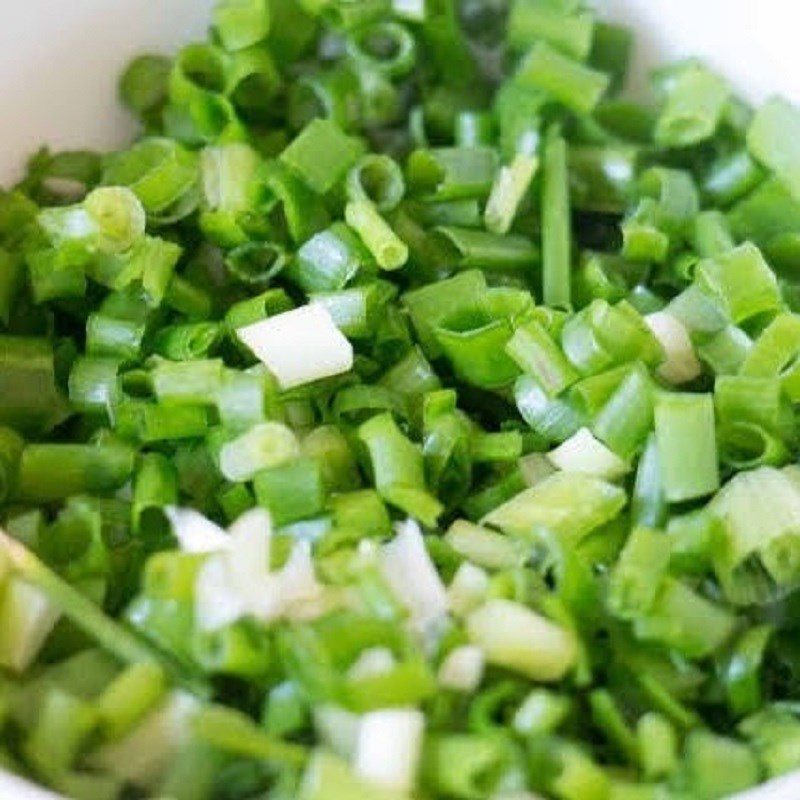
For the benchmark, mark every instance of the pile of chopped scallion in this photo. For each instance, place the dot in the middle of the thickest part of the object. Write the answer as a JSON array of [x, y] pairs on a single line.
[[405, 415]]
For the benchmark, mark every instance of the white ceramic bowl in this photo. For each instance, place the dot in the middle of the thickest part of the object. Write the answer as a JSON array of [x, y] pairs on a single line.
[[59, 61]]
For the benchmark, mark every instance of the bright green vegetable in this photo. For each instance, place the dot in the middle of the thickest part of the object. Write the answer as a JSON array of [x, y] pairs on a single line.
[[339, 413]]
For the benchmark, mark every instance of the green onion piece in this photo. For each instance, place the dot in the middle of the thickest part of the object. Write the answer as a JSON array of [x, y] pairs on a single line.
[[611, 53], [188, 299], [684, 424], [602, 179], [742, 668], [110, 635], [686, 621], [775, 353], [461, 765], [357, 311], [582, 453], [483, 547], [657, 746], [154, 422], [55, 471], [398, 469], [330, 94], [238, 651], [291, 491], [700, 314], [694, 107], [510, 187], [519, 639], [188, 342], [28, 618], [11, 447], [329, 260], [569, 82], [474, 128], [110, 220], [143, 86], [117, 329], [771, 139], [730, 177], [554, 419], [455, 173], [676, 196], [626, 419], [743, 398], [717, 766], [234, 733], [328, 777], [11, 280], [638, 573], [161, 173], [61, 731], [534, 351], [322, 155], [742, 281], [474, 338], [155, 486], [289, 197], [556, 226], [568, 504], [754, 567], [711, 236], [262, 447], [648, 504], [129, 697], [491, 252], [608, 718], [253, 83], [726, 352], [602, 336], [187, 382], [257, 308], [566, 770], [389, 251], [766, 216], [642, 238], [94, 385], [241, 23], [564, 28], [379, 179], [429, 305], [387, 47]]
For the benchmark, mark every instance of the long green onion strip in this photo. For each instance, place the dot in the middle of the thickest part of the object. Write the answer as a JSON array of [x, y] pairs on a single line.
[[399, 368]]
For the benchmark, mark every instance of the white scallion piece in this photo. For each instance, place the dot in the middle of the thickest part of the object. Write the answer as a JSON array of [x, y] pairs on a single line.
[[413, 578], [681, 364], [196, 533], [27, 616], [218, 601], [462, 669], [468, 589], [370, 662], [263, 446], [586, 454], [301, 595], [389, 747], [299, 346], [235, 581]]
